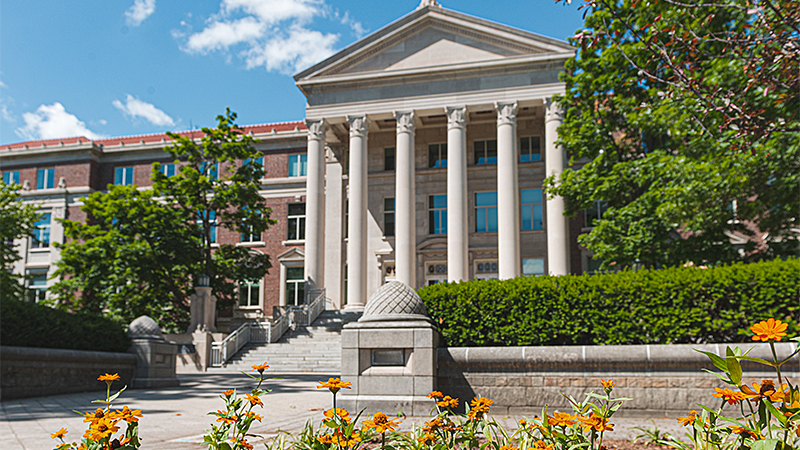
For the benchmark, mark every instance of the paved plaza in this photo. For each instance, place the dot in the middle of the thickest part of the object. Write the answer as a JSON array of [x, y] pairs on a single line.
[[176, 418]]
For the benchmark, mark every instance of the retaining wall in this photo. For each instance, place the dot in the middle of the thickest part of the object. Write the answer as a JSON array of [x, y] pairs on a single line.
[[34, 372], [662, 380]]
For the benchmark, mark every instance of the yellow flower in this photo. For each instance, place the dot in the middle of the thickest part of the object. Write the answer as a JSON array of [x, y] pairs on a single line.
[[764, 390], [541, 445], [128, 415], [341, 412], [260, 368], [380, 423], [102, 429], [448, 402], [608, 384], [508, 447], [108, 378], [729, 396], [688, 420], [325, 439], [94, 416], [481, 404], [596, 422], [254, 400], [562, 419], [433, 395], [769, 329], [334, 385], [59, 434]]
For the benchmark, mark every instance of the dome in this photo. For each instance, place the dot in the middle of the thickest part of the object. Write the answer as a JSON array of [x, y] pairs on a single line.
[[394, 301], [144, 328]]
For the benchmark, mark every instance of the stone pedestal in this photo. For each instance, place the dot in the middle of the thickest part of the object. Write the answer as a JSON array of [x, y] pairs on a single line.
[[155, 365], [390, 354], [203, 310]]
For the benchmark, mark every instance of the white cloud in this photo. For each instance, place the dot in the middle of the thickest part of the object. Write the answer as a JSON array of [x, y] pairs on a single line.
[[134, 108], [273, 34], [6, 114], [141, 10], [53, 121]]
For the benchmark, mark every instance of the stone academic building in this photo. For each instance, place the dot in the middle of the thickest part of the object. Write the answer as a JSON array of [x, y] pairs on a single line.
[[421, 159]]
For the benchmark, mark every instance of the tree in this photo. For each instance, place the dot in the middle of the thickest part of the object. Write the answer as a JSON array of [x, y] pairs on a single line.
[[17, 221], [141, 251], [660, 103]]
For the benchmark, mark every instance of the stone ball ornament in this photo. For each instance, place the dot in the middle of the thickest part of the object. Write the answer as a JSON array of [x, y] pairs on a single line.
[[395, 301], [144, 327]]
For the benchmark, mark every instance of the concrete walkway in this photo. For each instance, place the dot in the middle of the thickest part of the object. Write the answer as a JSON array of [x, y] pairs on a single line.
[[176, 418]]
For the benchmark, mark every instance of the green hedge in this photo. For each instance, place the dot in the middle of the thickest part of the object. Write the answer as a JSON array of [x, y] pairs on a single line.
[[678, 305], [25, 324]]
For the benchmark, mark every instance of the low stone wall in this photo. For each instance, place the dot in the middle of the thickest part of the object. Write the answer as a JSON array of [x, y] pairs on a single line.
[[34, 372], [662, 380]]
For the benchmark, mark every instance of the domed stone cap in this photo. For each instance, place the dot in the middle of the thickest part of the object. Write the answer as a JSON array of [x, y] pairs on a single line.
[[394, 301], [144, 328]]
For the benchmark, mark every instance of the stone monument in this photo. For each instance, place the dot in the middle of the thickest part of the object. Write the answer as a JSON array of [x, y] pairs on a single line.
[[155, 365], [389, 354]]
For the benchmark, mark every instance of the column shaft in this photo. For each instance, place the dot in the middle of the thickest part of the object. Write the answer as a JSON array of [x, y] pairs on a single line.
[[457, 227], [405, 242], [507, 192], [357, 211], [315, 206], [557, 225]]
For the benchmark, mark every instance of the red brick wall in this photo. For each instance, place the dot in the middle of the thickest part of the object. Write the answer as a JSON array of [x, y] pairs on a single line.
[[78, 174]]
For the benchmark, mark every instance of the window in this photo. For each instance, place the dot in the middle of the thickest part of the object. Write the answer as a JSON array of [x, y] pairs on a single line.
[[486, 212], [532, 209], [259, 161], [249, 236], [388, 216], [485, 152], [44, 178], [41, 232], [168, 169], [437, 155], [297, 221], [212, 219], [123, 176], [437, 214], [593, 264], [388, 158], [213, 169], [435, 273], [486, 270], [530, 148], [295, 286], [11, 177], [37, 285], [249, 294], [595, 213], [533, 267], [298, 166]]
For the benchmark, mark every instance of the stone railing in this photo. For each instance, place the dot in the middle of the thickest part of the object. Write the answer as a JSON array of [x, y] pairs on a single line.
[[661, 379]]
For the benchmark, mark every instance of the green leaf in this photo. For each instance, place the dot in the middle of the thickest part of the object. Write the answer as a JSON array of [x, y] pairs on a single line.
[[715, 359], [777, 414], [765, 444], [758, 360], [734, 369]]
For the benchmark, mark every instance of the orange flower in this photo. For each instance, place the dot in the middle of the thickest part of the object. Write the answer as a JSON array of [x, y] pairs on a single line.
[[94, 416], [764, 390], [243, 443], [523, 422], [341, 412], [481, 404], [227, 393], [380, 422], [325, 439], [769, 329], [596, 422], [432, 425], [733, 398], [741, 431], [334, 385], [433, 395], [254, 416], [108, 378], [59, 434], [427, 439], [102, 429], [448, 402], [260, 368], [223, 417], [688, 420], [343, 441], [608, 384], [562, 419], [508, 447], [128, 415], [254, 400], [541, 445]]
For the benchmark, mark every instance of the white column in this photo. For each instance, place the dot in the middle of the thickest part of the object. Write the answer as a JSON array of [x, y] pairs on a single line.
[[357, 211], [557, 226], [457, 228], [334, 226], [315, 206], [405, 242], [507, 192]]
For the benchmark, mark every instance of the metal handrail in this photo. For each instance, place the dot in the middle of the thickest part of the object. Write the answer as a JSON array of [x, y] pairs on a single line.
[[220, 350], [311, 309]]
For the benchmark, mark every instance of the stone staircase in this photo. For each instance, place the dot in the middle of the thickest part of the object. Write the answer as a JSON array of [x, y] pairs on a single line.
[[314, 349]]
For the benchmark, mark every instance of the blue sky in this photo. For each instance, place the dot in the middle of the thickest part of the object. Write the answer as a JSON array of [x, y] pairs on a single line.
[[108, 68]]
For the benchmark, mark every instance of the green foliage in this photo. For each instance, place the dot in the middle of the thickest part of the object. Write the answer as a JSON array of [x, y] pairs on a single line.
[[26, 324], [669, 165], [16, 222], [678, 305]]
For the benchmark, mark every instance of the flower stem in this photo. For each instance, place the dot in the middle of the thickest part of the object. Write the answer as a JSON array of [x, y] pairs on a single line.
[[777, 366]]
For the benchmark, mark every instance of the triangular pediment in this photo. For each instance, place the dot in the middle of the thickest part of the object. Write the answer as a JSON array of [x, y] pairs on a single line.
[[433, 37]]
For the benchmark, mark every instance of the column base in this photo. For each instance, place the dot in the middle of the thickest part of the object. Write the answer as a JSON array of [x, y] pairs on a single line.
[[354, 308]]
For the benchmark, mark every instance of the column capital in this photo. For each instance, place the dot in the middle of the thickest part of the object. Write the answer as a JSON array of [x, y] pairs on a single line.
[[316, 129], [405, 121], [456, 117], [552, 111], [359, 125], [506, 112]]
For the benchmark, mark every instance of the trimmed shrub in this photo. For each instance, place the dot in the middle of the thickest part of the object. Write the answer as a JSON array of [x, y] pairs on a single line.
[[677, 305], [25, 324]]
